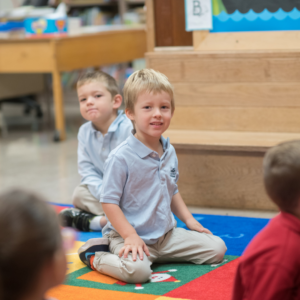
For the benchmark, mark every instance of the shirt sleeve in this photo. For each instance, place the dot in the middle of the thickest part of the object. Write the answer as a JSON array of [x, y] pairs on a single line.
[[238, 290], [267, 281], [115, 176], [87, 170]]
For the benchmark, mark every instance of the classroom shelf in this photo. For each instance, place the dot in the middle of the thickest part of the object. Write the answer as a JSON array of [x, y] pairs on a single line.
[[92, 3]]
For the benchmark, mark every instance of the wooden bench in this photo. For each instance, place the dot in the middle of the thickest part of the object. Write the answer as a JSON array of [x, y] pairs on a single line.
[[236, 95], [231, 106], [223, 168]]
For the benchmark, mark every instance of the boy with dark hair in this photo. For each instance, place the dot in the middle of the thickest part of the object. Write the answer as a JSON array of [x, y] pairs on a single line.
[[270, 266]]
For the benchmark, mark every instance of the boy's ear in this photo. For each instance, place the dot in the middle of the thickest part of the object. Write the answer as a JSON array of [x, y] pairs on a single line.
[[129, 114], [117, 101]]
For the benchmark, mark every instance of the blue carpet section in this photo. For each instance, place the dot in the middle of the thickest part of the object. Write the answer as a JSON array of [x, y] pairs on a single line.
[[237, 232], [84, 236], [59, 204]]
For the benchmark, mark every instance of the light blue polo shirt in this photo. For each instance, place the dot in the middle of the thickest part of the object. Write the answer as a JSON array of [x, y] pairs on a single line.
[[142, 184], [94, 148]]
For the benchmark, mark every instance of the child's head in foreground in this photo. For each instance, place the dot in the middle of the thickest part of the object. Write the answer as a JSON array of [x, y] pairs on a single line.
[[282, 176], [99, 97], [149, 101], [32, 259]]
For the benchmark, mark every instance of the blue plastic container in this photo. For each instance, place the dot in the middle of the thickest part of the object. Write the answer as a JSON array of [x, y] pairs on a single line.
[[11, 25]]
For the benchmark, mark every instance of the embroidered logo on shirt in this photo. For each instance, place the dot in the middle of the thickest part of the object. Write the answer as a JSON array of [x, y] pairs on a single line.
[[173, 172]]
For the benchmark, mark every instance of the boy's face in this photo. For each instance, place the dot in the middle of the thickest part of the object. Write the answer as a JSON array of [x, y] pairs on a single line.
[[152, 114], [96, 102]]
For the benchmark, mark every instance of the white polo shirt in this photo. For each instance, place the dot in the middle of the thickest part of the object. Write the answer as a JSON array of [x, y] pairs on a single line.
[[142, 184], [94, 148]]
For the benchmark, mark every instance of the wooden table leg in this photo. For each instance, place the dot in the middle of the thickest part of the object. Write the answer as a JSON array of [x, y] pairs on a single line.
[[60, 130]]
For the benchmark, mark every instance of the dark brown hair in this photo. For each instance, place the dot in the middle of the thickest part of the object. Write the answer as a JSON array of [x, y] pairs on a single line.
[[282, 174], [109, 81], [29, 238]]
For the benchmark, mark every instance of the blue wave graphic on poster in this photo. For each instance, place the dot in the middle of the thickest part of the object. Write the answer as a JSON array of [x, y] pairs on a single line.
[[252, 21]]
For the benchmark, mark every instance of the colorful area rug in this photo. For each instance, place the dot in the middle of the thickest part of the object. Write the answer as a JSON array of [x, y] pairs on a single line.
[[169, 281]]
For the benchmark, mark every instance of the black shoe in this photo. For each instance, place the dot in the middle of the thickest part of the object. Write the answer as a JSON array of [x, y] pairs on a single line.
[[76, 218], [89, 249]]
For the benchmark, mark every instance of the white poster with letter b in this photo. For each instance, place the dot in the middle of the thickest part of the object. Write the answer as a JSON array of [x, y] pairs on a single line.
[[198, 15]]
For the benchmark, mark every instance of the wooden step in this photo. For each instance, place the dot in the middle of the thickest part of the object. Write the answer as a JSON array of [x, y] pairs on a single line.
[[227, 140], [242, 90], [224, 169]]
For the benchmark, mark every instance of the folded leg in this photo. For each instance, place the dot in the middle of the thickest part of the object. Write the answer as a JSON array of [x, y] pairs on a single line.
[[190, 246], [124, 269]]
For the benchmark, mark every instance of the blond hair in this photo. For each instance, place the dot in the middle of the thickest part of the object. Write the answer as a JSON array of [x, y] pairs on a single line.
[[146, 80], [282, 174], [99, 76]]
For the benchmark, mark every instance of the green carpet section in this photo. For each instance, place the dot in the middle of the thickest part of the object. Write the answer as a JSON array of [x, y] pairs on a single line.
[[185, 272]]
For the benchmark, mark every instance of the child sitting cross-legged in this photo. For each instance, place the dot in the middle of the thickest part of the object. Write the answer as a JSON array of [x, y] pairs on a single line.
[[139, 194], [107, 127]]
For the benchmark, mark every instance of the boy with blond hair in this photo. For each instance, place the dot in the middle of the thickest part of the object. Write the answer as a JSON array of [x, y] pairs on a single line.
[[269, 269], [140, 193], [107, 127]]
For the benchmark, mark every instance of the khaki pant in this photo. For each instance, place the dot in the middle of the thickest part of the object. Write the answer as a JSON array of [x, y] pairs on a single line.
[[84, 200], [178, 245]]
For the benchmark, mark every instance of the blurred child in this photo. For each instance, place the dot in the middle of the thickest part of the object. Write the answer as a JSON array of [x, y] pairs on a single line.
[[99, 100], [32, 259], [140, 194], [269, 269]]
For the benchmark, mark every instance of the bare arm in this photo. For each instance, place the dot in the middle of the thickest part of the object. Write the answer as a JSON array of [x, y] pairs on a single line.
[[179, 208], [132, 242]]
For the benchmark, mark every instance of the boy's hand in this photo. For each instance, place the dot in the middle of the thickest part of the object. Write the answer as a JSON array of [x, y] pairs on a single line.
[[134, 244], [193, 224]]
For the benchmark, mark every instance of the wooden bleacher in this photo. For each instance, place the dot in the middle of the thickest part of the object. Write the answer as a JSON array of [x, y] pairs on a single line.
[[230, 108], [224, 168], [236, 95]]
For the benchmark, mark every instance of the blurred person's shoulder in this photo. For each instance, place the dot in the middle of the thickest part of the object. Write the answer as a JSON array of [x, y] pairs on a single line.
[[277, 243]]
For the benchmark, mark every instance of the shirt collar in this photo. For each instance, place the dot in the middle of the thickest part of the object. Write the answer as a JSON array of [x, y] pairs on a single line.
[[141, 150], [290, 221], [114, 125]]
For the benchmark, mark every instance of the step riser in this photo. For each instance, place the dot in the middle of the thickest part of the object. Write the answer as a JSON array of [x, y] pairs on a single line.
[[223, 179], [233, 91]]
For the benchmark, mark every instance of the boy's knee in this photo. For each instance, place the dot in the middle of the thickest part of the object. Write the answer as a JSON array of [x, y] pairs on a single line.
[[140, 271], [77, 196], [218, 251]]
